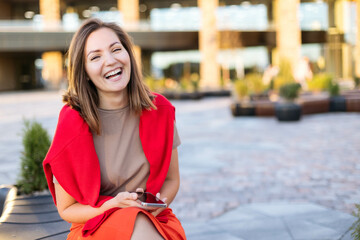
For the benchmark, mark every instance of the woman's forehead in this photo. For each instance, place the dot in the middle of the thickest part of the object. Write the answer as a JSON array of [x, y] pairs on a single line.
[[101, 38]]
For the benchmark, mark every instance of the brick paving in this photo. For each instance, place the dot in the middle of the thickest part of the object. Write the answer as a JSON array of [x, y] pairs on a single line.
[[228, 162]]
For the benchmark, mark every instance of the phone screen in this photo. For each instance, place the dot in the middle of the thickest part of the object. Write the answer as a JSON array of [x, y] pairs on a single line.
[[148, 199]]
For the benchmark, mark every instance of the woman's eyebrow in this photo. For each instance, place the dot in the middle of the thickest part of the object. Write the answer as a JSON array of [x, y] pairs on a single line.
[[93, 51], [114, 44], [97, 50]]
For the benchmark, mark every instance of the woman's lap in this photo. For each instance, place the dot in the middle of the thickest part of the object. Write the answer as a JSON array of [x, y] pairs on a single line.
[[120, 225], [144, 229]]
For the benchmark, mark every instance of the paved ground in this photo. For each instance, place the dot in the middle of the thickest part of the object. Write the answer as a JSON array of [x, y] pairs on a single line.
[[241, 178]]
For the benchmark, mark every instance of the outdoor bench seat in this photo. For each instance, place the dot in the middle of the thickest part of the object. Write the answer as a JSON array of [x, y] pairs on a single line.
[[30, 218]]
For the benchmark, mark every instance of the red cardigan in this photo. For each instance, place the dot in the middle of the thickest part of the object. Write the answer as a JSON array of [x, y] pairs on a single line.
[[73, 161]]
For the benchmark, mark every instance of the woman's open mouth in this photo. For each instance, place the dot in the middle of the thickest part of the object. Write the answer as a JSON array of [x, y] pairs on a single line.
[[113, 74]]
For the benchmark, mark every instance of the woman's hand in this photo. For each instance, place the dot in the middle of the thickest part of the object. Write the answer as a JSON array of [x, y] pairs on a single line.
[[124, 200], [156, 211], [72, 211]]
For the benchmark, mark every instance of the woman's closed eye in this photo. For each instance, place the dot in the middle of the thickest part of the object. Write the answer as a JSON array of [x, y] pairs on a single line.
[[92, 58], [117, 49]]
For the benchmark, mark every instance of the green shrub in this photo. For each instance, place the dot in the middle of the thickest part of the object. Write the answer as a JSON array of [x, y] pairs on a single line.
[[195, 81], [255, 83], [285, 75], [241, 89], [36, 143], [290, 91], [320, 82], [190, 83], [285, 69], [250, 84], [334, 89], [356, 226], [280, 81], [357, 81], [155, 85]]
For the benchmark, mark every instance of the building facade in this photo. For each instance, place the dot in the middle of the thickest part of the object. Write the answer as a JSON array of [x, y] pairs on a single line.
[[35, 34]]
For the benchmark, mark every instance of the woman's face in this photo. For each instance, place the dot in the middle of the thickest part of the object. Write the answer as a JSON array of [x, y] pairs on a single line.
[[107, 63]]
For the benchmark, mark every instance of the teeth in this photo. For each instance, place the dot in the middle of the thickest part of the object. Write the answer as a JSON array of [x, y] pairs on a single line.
[[115, 72]]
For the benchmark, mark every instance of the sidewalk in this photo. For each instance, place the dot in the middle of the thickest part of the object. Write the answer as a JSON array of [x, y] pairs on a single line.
[[241, 178], [274, 221]]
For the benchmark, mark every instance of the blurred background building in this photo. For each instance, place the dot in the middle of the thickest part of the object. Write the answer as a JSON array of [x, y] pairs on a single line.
[[218, 39]]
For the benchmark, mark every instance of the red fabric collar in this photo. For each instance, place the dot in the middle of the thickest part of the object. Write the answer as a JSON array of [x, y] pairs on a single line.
[[73, 161]]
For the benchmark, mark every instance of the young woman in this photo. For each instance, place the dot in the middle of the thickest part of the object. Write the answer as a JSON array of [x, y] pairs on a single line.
[[114, 138]]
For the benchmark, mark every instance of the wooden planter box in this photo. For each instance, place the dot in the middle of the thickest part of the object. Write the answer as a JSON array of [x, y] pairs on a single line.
[[311, 105], [264, 108], [183, 95], [243, 109], [353, 103]]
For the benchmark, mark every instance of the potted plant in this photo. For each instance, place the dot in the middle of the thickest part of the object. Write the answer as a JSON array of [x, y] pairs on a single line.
[[357, 82], [36, 142], [287, 109], [257, 89], [337, 102], [242, 106]]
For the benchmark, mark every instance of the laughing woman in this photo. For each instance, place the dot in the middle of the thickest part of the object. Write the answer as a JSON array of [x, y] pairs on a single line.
[[114, 138]]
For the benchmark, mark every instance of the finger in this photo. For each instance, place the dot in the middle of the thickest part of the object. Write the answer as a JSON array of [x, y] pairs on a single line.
[[139, 190], [121, 195], [133, 196], [164, 199], [126, 195], [130, 203]]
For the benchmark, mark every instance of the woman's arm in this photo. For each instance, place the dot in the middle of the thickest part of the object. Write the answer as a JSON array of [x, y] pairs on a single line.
[[172, 181], [72, 211]]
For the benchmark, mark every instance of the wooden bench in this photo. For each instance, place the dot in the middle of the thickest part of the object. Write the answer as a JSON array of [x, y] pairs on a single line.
[[30, 218]]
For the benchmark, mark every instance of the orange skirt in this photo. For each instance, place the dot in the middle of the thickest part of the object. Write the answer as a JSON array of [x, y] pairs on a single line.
[[120, 225]]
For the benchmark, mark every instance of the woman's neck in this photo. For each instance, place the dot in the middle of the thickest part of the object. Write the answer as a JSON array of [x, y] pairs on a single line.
[[112, 101]]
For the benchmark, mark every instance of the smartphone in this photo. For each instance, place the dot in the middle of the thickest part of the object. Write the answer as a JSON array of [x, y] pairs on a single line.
[[149, 200]]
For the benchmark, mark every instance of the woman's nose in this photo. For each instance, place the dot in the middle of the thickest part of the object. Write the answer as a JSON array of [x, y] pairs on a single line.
[[109, 59]]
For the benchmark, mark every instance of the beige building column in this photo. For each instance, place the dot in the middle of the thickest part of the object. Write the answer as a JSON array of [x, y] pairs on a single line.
[[50, 10], [346, 51], [288, 32], [338, 53], [52, 71], [131, 15], [357, 49], [130, 10], [209, 45]]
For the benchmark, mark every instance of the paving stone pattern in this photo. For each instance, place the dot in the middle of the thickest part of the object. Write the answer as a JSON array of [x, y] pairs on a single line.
[[231, 166], [226, 161]]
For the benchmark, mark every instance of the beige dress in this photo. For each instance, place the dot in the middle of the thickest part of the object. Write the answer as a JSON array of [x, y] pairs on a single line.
[[123, 164]]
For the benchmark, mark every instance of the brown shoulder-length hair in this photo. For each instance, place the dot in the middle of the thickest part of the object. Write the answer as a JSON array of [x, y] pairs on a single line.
[[82, 94]]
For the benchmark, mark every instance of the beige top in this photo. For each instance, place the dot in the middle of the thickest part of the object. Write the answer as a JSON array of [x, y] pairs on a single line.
[[123, 164]]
